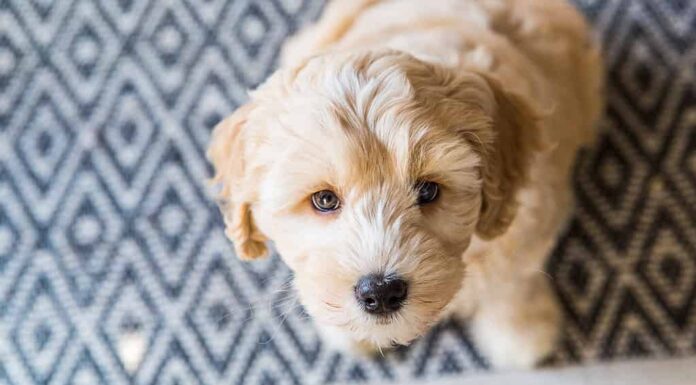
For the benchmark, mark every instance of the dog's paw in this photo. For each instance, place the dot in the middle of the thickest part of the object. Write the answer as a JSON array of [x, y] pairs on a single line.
[[518, 334]]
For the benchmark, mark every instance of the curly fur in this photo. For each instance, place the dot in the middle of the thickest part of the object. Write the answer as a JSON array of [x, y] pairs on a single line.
[[489, 98]]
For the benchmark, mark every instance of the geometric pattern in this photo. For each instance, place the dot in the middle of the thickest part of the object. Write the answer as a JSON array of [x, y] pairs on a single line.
[[114, 268]]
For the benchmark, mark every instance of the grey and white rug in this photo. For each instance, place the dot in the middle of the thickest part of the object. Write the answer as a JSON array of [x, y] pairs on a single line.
[[113, 265]]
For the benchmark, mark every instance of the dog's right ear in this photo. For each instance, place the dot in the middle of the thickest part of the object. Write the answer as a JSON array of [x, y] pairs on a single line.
[[227, 154], [516, 140]]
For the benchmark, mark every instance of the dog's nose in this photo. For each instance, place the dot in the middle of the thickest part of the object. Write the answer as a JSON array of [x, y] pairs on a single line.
[[378, 294]]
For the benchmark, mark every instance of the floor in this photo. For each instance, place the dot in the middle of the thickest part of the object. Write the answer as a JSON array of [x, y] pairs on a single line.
[[114, 268], [665, 372]]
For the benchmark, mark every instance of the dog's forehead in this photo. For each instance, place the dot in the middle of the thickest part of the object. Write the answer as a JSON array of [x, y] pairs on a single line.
[[345, 150], [355, 130], [397, 147]]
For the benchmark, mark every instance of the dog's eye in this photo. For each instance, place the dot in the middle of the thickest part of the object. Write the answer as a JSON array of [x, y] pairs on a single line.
[[427, 192], [325, 200]]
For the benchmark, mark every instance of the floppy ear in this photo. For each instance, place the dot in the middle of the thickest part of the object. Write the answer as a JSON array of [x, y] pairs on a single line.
[[507, 140], [516, 138], [227, 154]]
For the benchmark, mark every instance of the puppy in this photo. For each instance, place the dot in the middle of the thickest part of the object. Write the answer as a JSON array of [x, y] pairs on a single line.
[[410, 160]]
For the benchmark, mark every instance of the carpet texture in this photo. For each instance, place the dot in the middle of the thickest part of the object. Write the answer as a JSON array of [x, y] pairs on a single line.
[[113, 264]]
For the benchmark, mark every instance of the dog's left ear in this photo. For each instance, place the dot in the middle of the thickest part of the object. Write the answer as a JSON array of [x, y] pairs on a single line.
[[506, 158], [228, 156], [507, 139]]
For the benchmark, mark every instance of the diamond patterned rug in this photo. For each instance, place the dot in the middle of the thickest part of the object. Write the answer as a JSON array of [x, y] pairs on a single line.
[[113, 265]]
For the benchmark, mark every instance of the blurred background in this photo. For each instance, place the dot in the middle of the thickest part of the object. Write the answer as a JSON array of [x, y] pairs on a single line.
[[113, 264]]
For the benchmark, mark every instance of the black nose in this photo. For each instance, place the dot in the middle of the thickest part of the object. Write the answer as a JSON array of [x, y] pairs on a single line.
[[378, 294]]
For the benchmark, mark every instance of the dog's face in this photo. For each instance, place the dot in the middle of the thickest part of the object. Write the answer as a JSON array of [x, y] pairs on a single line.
[[371, 173]]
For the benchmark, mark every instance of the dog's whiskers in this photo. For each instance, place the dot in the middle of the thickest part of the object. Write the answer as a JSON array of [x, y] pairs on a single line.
[[379, 348], [332, 306], [546, 274]]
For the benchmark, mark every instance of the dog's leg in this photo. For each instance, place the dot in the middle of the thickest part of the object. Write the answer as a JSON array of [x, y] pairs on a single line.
[[518, 324]]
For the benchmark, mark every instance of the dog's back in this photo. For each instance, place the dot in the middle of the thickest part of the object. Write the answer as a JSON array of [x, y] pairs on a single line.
[[526, 43]]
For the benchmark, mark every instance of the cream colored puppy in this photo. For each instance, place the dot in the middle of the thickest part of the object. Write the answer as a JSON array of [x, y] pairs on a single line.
[[411, 159]]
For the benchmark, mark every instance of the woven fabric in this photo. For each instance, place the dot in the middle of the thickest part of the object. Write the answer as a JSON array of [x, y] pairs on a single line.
[[113, 264]]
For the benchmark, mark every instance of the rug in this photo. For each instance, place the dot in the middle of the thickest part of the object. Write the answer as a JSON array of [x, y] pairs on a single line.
[[113, 264]]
